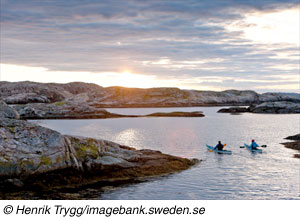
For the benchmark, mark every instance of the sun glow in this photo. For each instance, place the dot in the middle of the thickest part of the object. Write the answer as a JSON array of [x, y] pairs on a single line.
[[14, 73], [129, 79], [126, 78], [126, 72]]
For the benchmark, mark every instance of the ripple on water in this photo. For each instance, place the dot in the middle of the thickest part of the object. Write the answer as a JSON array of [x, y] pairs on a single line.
[[242, 175]]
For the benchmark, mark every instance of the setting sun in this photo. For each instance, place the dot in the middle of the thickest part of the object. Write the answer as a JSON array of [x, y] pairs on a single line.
[[129, 79], [126, 78]]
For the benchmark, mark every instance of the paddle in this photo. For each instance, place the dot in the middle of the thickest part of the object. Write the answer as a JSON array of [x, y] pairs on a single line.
[[213, 150], [259, 146], [224, 147]]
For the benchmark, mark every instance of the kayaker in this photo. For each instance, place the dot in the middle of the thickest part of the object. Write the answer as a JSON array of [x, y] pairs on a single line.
[[219, 146], [253, 145]]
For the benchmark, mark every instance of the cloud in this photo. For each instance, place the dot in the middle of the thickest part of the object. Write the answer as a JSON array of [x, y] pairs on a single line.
[[162, 38]]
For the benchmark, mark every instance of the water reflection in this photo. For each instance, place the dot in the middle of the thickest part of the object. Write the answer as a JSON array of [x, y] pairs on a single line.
[[273, 174], [131, 137]]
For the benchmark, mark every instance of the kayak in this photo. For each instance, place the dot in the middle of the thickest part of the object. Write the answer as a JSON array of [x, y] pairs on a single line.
[[218, 151], [253, 150]]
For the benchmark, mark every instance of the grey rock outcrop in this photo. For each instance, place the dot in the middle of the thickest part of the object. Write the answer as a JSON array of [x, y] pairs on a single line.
[[294, 137], [233, 110], [37, 157], [32, 92], [176, 114], [276, 108], [67, 110], [61, 110], [7, 111], [27, 149], [267, 108], [277, 97], [295, 144]]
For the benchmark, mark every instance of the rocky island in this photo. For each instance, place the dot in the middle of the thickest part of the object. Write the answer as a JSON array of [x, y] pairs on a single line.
[[295, 144], [69, 110], [280, 107], [85, 100]]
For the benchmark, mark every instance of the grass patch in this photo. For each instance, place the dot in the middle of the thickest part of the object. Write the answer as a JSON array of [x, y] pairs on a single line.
[[59, 103]]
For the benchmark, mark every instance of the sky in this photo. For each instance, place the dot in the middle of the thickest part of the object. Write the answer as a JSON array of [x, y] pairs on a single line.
[[190, 44]]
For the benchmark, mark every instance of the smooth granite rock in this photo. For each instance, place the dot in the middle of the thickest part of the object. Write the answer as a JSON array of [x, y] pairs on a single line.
[[66, 110], [61, 110], [30, 92], [7, 111], [282, 107], [32, 156]]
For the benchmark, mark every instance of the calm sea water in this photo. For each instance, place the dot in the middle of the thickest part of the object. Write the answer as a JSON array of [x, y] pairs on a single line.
[[274, 174]]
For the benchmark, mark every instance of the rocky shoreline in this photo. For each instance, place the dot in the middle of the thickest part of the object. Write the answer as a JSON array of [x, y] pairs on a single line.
[[37, 158], [295, 145], [66, 110], [282, 107], [96, 96], [79, 100]]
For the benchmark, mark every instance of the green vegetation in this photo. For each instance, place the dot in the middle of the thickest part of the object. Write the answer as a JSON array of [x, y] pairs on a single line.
[[89, 149], [45, 160], [58, 159], [59, 103], [12, 129]]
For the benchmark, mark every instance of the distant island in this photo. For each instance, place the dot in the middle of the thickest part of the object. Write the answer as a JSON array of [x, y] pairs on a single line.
[[80, 100], [79, 92]]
